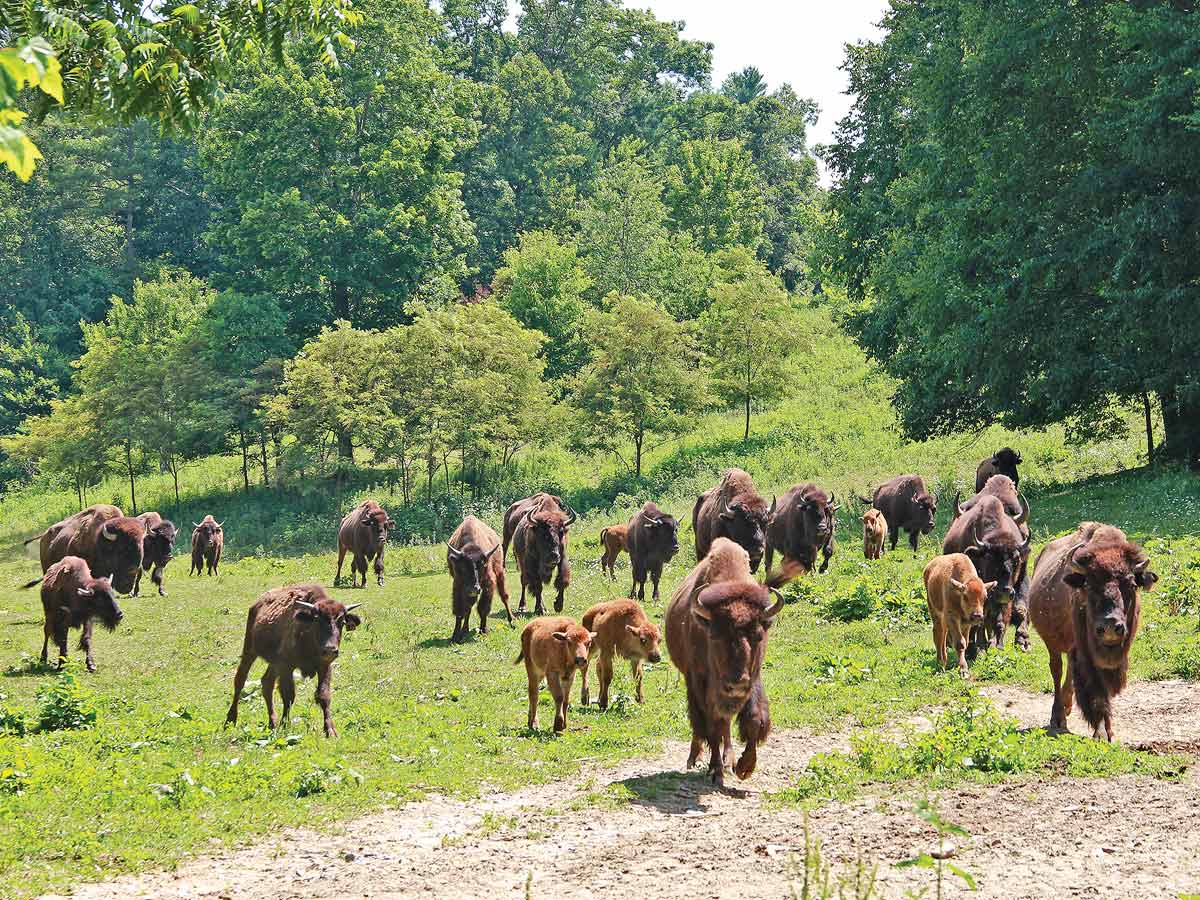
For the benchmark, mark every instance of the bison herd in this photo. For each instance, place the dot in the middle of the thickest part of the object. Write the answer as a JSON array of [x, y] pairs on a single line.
[[1083, 597]]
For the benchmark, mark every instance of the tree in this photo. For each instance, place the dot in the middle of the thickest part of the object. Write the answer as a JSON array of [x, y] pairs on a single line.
[[69, 442], [744, 86], [25, 386], [643, 380], [713, 192], [752, 336]]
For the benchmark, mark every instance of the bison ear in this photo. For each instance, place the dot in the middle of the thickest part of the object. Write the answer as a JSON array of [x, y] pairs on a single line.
[[1075, 579], [989, 586], [1145, 579], [958, 585], [560, 636], [632, 630], [592, 635], [352, 621], [389, 524]]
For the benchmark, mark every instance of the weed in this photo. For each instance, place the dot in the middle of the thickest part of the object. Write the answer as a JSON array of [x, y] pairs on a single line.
[[816, 880], [939, 859], [12, 721], [65, 704]]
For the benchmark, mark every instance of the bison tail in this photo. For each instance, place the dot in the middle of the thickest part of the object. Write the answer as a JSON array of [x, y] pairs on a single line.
[[520, 657], [35, 581], [603, 534]]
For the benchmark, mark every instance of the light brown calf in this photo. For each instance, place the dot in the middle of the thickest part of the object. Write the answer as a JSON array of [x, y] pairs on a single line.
[[553, 647], [621, 628], [613, 539], [956, 596], [875, 529]]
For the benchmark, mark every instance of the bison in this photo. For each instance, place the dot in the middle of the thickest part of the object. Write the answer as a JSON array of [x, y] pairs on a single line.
[[875, 529], [539, 542], [907, 505], [733, 509], [158, 549], [717, 627], [801, 525], [72, 597], [208, 543], [476, 572], [364, 533], [553, 649], [1002, 462], [613, 538], [1085, 601], [621, 629], [297, 627], [653, 539], [106, 538], [956, 597]]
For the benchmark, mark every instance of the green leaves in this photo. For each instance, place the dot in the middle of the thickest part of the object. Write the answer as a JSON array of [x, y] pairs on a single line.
[[29, 63]]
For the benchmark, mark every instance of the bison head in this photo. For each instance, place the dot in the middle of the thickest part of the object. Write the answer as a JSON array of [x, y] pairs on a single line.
[[926, 505], [664, 531], [98, 601], [547, 531], [972, 594], [745, 523], [328, 619], [159, 543], [578, 644], [119, 552], [816, 514], [205, 533], [377, 523], [1006, 461], [998, 561], [1106, 613], [736, 616], [469, 565], [641, 642]]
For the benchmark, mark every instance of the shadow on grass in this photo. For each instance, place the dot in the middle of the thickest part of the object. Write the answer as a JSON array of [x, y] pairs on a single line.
[[31, 666]]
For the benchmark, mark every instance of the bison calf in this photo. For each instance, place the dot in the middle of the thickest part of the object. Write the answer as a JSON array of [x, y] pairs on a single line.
[[956, 596], [875, 529], [158, 549], [208, 542], [298, 627], [621, 628], [477, 572], [73, 598], [553, 648], [613, 539]]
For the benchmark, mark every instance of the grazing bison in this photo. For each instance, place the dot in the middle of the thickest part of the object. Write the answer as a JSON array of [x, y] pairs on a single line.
[[158, 549], [364, 533], [956, 596], [553, 649], [717, 625], [875, 528], [297, 627], [477, 572], [999, 546], [613, 538], [621, 629], [1085, 601], [73, 598], [106, 538], [1002, 488], [733, 509], [906, 505], [1002, 462], [801, 525], [540, 545], [653, 539], [208, 542]]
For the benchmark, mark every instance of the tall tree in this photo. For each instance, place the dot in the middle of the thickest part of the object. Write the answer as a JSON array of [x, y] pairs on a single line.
[[714, 193], [744, 86]]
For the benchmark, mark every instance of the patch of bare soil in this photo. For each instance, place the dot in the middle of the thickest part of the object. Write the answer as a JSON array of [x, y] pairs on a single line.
[[678, 838]]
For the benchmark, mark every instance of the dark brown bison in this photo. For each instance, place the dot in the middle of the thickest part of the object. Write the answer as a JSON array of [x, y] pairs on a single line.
[[540, 545], [158, 549], [613, 538], [716, 626], [476, 573], [106, 538], [733, 509], [73, 598], [1002, 462], [653, 540], [1085, 601], [208, 543], [363, 533], [998, 545], [801, 525], [906, 505], [297, 627], [516, 512]]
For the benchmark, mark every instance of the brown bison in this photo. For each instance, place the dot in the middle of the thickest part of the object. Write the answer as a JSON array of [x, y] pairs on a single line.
[[733, 509], [875, 528], [717, 624], [477, 573], [801, 525], [208, 543], [621, 629], [539, 541], [106, 538], [653, 539], [613, 539], [906, 505], [364, 533], [1002, 462], [553, 649], [297, 627], [1002, 488], [956, 597], [516, 512], [158, 549], [73, 598], [1085, 601]]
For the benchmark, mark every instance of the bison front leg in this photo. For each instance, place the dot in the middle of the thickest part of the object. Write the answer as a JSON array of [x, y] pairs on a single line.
[[157, 577], [606, 677], [483, 608], [717, 730], [137, 584], [894, 536], [535, 588], [534, 681], [555, 683], [637, 680], [1020, 615], [698, 720], [85, 644], [754, 724], [939, 640], [655, 575], [562, 581], [378, 569], [324, 696], [960, 644], [913, 537]]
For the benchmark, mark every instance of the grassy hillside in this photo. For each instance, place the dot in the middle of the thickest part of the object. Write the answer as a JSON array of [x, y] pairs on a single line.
[[158, 777]]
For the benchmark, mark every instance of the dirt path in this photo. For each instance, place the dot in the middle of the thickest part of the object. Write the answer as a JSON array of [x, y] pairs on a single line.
[[644, 829]]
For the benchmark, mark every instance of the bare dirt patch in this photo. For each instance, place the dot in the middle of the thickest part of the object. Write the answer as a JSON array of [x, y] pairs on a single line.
[[646, 829]]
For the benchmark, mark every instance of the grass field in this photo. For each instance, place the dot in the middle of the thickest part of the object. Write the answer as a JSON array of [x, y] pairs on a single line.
[[157, 777]]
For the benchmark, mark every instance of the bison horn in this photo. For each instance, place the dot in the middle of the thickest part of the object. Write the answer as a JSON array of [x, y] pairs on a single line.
[[1024, 516], [725, 511], [774, 504], [1074, 563], [195, 524], [1140, 567], [975, 542], [571, 517], [488, 555], [353, 606], [220, 525], [306, 605], [107, 532], [958, 510], [777, 608], [454, 551]]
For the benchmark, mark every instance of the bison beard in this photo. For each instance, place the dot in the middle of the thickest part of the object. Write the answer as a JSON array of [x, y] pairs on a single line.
[[1099, 673]]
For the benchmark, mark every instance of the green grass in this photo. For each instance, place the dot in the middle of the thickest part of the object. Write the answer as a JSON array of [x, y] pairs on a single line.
[[157, 777]]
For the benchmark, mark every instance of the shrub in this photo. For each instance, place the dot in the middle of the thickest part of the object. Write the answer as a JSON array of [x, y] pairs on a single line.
[[64, 703], [12, 721]]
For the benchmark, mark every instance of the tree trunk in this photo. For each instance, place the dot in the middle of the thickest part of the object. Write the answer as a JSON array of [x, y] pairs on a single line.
[[130, 250], [245, 463], [637, 453], [746, 435], [175, 478], [339, 300], [1149, 429], [1181, 425], [132, 482], [262, 446], [345, 445]]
